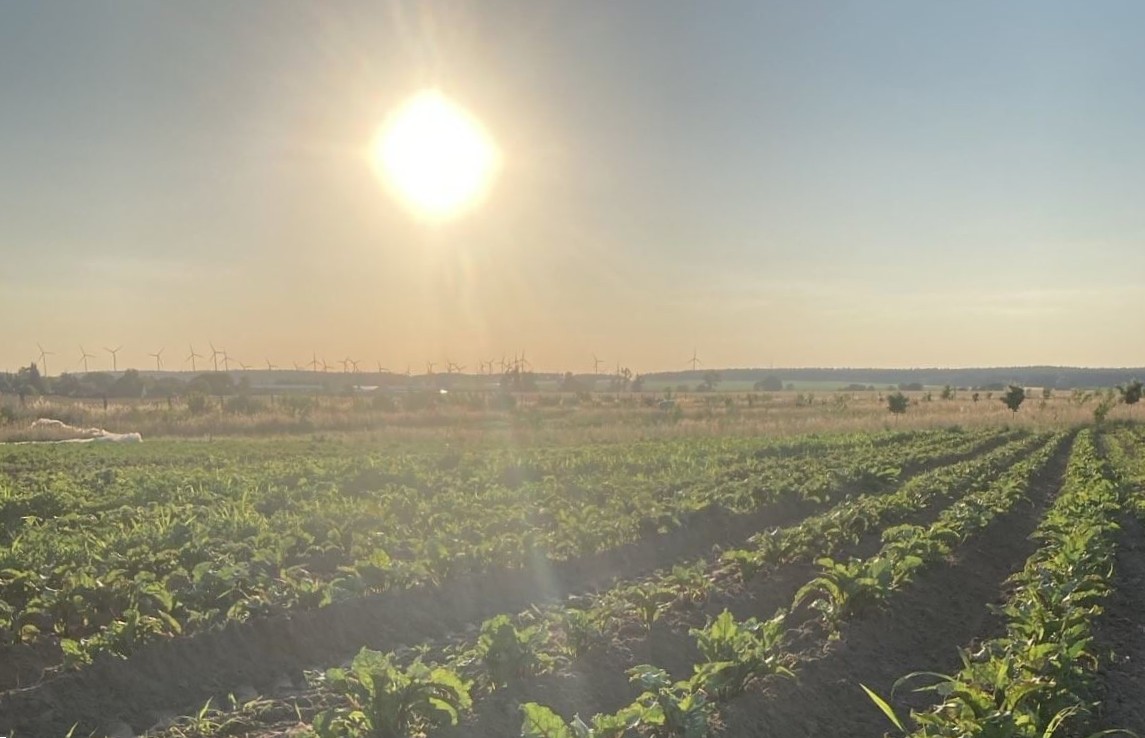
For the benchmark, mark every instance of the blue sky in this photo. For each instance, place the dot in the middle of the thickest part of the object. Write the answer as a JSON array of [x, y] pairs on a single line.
[[892, 183]]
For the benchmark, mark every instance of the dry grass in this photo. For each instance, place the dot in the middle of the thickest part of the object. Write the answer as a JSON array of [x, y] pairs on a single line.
[[549, 418]]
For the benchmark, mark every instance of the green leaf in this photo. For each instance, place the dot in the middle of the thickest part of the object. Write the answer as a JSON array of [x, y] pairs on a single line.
[[886, 708], [541, 722]]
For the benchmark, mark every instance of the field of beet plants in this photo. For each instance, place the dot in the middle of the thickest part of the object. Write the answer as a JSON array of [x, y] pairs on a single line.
[[949, 582]]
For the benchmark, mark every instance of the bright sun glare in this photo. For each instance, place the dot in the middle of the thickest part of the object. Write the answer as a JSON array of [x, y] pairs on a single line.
[[435, 155]]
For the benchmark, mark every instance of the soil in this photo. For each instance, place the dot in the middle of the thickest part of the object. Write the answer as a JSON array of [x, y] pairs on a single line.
[[179, 675], [1120, 637]]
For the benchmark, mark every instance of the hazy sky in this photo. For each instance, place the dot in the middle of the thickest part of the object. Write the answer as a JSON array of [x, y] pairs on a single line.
[[806, 183]]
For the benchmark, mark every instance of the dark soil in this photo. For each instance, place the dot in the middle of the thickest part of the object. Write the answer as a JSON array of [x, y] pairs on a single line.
[[181, 674], [1120, 641]]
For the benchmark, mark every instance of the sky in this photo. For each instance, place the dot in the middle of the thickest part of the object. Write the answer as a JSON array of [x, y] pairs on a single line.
[[887, 184]]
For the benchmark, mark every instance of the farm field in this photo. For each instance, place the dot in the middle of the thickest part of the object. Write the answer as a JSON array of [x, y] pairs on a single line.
[[719, 584]]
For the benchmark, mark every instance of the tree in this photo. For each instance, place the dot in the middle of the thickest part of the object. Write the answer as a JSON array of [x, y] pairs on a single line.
[[1014, 397], [1047, 392], [1131, 393], [975, 397], [711, 379], [29, 381], [897, 403], [947, 393]]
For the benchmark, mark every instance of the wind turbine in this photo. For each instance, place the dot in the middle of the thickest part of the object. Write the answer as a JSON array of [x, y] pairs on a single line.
[[226, 360], [84, 356], [158, 356], [355, 365], [695, 360], [270, 367], [114, 357], [192, 358], [44, 358], [313, 362], [242, 366], [429, 365], [596, 364], [382, 369], [345, 365], [215, 354]]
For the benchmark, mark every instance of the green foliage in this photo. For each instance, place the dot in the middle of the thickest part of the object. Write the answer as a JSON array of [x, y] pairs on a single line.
[[1030, 682], [1014, 397], [112, 549], [510, 653], [844, 589], [542, 722], [1107, 402], [1131, 393], [897, 402], [679, 709], [739, 652], [384, 701], [947, 393]]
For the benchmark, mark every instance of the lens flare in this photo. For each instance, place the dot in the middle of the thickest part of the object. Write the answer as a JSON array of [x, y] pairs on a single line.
[[435, 156]]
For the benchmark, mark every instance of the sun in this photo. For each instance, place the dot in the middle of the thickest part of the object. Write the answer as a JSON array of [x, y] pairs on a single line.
[[435, 156]]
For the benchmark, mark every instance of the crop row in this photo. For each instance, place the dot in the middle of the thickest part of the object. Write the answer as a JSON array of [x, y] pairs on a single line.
[[1039, 676], [737, 653], [189, 553]]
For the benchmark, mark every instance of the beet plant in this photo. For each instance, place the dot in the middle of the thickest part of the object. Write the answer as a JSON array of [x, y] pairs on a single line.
[[385, 701]]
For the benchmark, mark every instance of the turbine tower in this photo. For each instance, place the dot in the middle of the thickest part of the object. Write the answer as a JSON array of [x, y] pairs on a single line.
[[192, 358], [596, 362], [158, 356], [215, 354], [84, 356], [114, 357], [695, 360], [44, 358]]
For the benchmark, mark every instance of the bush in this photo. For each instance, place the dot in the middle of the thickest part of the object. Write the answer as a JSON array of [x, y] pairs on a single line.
[[243, 405], [1131, 393], [897, 403], [198, 403]]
